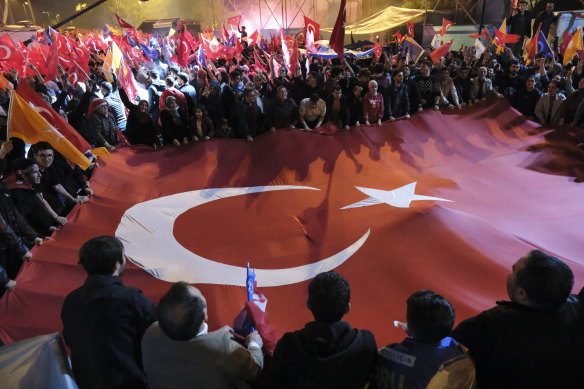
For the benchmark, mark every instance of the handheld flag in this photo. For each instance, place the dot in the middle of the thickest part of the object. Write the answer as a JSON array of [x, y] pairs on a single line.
[[26, 123], [574, 45], [235, 20], [311, 25], [337, 41], [440, 52], [446, 24], [123, 23]]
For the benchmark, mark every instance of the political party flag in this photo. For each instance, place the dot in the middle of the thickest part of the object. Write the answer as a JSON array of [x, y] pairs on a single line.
[[263, 45], [574, 45], [411, 47], [337, 40], [543, 47], [201, 57], [479, 48], [123, 23], [440, 52], [311, 25], [235, 20], [5, 84], [446, 24], [107, 68], [435, 41], [150, 53], [531, 47], [25, 123]]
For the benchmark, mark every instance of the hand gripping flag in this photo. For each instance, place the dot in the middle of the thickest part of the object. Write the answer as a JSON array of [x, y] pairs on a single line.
[[253, 316], [337, 40]]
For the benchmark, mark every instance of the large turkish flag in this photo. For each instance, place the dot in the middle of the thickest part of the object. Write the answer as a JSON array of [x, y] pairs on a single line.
[[278, 202]]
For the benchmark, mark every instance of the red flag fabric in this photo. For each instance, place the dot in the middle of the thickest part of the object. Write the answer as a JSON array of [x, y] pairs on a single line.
[[445, 26], [462, 249], [253, 38], [224, 33], [258, 61], [485, 34], [399, 37], [126, 78], [411, 29], [50, 115], [506, 38], [36, 57], [123, 23], [53, 62], [310, 24], [234, 20], [337, 40], [377, 50], [440, 52], [77, 74], [567, 38], [9, 53]]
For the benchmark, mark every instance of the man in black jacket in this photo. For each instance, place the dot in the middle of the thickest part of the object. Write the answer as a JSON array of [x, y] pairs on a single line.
[[104, 320], [326, 353], [536, 339]]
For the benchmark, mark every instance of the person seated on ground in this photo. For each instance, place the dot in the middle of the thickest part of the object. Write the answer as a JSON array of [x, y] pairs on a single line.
[[312, 111], [448, 94], [281, 112], [250, 117], [175, 123], [547, 109], [62, 186], [509, 343], [203, 126], [428, 358], [104, 320], [429, 87], [178, 351], [29, 200], [396, 99], [102, 129], [326, 353], [483, 85], [140, 127], [336, 109], [526, 99], [355, 106], [116, 107], [373, 107], [464, 86]]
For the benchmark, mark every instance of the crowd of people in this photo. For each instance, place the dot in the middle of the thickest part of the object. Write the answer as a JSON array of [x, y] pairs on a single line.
[[237, 99], [120, 339]]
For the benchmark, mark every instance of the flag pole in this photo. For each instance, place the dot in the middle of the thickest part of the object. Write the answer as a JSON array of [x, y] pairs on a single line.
[[482, 17]]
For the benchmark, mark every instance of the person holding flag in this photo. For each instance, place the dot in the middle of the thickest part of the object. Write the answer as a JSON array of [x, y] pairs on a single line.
[[179, 351]]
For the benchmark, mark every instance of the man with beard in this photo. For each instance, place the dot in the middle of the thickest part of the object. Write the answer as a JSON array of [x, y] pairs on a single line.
[[104, 320], [508, 83]]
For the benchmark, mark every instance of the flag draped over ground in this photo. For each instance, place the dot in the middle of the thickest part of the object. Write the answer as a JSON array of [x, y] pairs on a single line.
[[500, 207]]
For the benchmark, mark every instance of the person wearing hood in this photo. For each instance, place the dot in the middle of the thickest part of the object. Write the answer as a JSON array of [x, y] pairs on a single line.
[[328, 352], [211, 98], [175, 123], [102, 128]]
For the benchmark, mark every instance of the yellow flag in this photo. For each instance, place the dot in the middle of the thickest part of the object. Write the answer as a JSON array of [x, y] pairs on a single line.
[[5, 84], [117, 57], [108, 67], [503, 29], [27, 124], [574, 45], [171, 32]]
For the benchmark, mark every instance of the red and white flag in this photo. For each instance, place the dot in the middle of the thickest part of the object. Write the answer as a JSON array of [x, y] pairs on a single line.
[[235, 20], [311, 25], [337, 40], [445, 26]]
